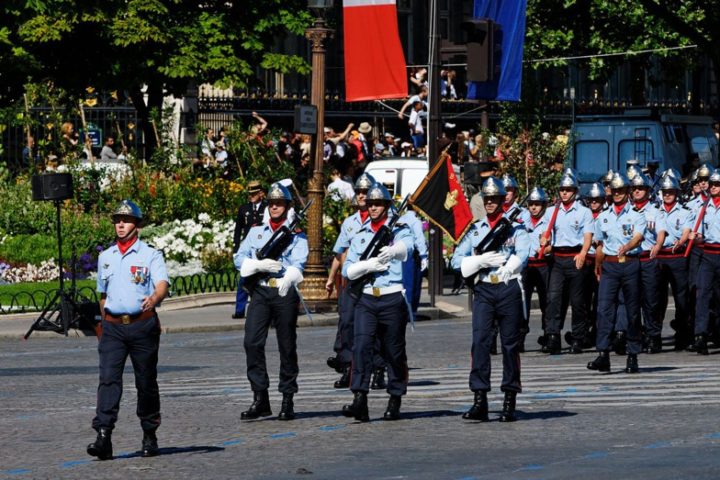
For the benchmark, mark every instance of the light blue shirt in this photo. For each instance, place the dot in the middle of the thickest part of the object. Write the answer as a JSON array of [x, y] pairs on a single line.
[[695, 204], [127, 279], [571, 225], [294, 255], [514, 207], [517, 244], [674, 222], [653, 225], [362, 239], [615, 230], [711, 224], [534, 231], [411, 220], [349, 227]]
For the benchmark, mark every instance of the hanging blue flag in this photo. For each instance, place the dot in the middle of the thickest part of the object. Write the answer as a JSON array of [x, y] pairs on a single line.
[[510, 16]]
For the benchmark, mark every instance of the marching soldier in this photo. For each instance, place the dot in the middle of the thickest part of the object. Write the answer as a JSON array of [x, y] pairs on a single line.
[[618, 233], [708, 276], [511, 188], [381, 311], [571, 240], [346, 304], [640, 188], [676, 223], [595, 200], [132, 281], [274, 300], [535, 276], [497, 298]]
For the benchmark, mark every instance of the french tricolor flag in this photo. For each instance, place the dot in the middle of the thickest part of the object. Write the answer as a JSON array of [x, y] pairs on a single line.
[[374, 60]]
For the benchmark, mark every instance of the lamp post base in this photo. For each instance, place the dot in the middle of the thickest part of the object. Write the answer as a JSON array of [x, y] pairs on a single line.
[[313, 291]]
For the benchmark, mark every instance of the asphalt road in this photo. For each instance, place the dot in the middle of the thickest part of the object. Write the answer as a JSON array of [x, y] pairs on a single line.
[[573, 423]]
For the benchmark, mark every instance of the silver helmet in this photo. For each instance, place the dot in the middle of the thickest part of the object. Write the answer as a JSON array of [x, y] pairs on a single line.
[[640, 180], [493, 187], [128, 208], [596, 191], [672, 172], [568, 181], [509, 181], [364, 182], [571, 171], [278, 191], [704, 171], [537, 194], [379, 192], [633, 171], [669, 182], [619, 181], [607, 178]]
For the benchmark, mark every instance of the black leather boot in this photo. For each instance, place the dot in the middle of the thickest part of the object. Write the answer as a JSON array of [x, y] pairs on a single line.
[[654, 344], [553, 345], [479, 410], [620, 343], [601, 363], [378, 379], [393, 408], [286, 410], [358, 408], [344, 380], [335, 363], [576, 346], [102, 446], [259, 408], [632, 364], [700, 345], [149, 444], [508, 412]]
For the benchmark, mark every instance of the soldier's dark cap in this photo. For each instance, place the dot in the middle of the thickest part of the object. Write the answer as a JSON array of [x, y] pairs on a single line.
[[254, 187]]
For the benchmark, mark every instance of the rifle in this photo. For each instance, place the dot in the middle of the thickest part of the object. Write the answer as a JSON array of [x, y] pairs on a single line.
[[88, 141], [548, 232], [701, 216], [495, 238], [274, 247], [381, 239]]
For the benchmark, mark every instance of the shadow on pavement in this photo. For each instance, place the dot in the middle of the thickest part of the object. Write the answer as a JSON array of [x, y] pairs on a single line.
[[546, 415], [175, 450]]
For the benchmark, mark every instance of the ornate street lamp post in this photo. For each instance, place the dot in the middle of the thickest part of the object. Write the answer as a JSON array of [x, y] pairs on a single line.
[[313, 287]]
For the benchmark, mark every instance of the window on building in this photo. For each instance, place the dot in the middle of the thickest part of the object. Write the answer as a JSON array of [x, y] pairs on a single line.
[[702, 141], [640, 149]]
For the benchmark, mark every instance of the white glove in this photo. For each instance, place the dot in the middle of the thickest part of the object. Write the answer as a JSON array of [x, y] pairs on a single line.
[[423, 264], [511, 268], [357, 270], [292, 277], [470, 265], [396, 251], [251, 266]]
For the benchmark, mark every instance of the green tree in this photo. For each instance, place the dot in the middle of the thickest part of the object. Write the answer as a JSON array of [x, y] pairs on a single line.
[[145, 47]]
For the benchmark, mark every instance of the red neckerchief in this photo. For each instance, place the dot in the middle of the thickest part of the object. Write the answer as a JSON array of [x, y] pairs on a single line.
[[567, 206], [376, 224], [619, 208], [275, 225], [534, 221], [595, 214], [703, 196], [506, 206], [494, 218], [363, 215], [641, 205], [124, 245], [668, 206], [716, 201]]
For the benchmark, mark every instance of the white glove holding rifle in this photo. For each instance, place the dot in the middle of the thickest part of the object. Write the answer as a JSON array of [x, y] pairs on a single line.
[[472, 264]]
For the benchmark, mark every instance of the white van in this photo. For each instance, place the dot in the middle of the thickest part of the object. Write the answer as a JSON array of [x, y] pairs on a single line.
[[401, 176]]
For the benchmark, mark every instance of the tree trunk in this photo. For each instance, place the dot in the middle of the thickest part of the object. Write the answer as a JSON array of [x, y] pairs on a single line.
[[154, 104]]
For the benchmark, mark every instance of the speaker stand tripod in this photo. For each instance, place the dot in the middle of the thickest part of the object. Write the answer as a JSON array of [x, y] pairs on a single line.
[[62, 312]]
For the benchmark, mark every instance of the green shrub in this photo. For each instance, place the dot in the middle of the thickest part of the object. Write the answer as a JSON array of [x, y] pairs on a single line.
[[28, 248]]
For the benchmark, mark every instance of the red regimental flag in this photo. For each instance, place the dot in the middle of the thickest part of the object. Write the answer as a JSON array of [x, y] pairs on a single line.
[[374, 59], [441, 200]]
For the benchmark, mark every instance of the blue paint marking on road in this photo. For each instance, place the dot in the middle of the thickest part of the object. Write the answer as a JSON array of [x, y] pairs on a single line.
[[16, 471], [330, 428], [282, 435], [467, 478], [659, 445], [713, 435], [74, 463], [571, 390], [452, 365], [530, 468], [594, 455], [233, 442]]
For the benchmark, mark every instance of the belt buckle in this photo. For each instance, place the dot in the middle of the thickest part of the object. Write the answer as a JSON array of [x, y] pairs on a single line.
[[125, 319], [376, 291], [494, 278], [272, 282], [621, 259]]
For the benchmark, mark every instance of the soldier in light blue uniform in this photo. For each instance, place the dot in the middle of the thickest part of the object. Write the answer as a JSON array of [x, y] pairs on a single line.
[[511, 195], [675, 222], [381, 311], [595, 201], [272, 301], [708, 277], [416, 263], [497, 297], [132, 281], [343, 346], [640, 188], [619, 231]]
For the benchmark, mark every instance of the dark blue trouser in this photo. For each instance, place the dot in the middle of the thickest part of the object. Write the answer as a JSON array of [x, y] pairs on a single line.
[[696, 255], [649, 284], [241, 298], [564, 274], [503, 303], [590, 292], [535, 279], [141, 341], [708, 286], [616, 278], [344, 338], [385, 319], [412, 282], [266, 308], [674, 270]]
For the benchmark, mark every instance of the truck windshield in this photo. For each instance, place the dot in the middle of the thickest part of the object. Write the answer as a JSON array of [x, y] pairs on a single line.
[[702, 141]]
